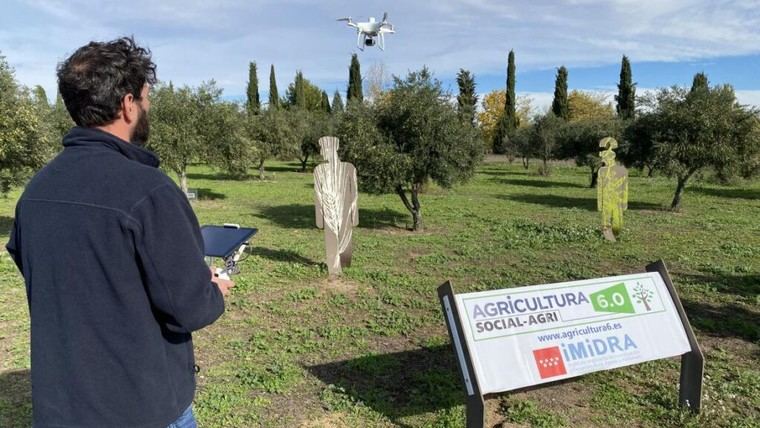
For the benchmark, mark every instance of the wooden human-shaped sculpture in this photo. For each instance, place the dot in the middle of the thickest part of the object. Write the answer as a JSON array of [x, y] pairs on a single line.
[[336, 193], [612, 190]]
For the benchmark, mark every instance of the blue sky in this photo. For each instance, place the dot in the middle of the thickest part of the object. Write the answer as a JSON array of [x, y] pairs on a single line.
[[193, 41]]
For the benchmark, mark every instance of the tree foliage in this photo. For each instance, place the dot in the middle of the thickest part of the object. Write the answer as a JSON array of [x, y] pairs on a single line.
[[418, 137], [507, 123], [190, 125], [308, 127], [701, 128], [274, 96], [25, 141], [303, 94], [467, 100], [579, 140], [493, 110], [337, 103], [626, 97], [60, 120], [273, 135], [326, 103], [588, 106], [559, 103], [354, 92], [544, 136], [253, 104], [510, 103]]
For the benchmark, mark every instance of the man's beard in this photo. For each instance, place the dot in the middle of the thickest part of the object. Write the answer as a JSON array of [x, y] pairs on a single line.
[[141, 133]]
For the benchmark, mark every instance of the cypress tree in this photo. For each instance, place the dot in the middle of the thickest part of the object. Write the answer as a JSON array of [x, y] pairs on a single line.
[[274, 97], [253, 104], [467, 100], [300, 94], [510, 105], [326, 102], [337, 103], [626, 97], [700, 82], [559, 105], [508, 120], [354, 81]]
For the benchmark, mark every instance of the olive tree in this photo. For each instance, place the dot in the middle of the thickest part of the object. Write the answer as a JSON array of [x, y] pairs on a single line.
[[25, 141], [273, 136], [579, 140], [173, 131], [543, 138], [417, 138], [702, 128]]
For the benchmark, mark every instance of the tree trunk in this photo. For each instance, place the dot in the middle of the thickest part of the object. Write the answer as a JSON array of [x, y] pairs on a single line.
[[261, 169], [183, 180], [526, 162], [413, 206], [417, 212], [545, 171], [304, 161], [594, 177], [676, 205], [650, 173]]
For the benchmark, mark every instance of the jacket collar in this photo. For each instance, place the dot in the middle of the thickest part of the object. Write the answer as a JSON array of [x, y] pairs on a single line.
[[96, 138]]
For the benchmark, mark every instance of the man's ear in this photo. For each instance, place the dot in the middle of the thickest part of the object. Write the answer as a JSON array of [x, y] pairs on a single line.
[[128, 108]]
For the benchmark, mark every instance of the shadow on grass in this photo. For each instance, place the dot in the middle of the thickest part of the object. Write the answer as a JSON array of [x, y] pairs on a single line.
[[734, 192], [6, 223], [399, 384], [215, 176], [209, 195], [16, 399], [589, 204], [725, 320], [282, 256], [740, 285], [300, 216], [500, 172], [538, 183]]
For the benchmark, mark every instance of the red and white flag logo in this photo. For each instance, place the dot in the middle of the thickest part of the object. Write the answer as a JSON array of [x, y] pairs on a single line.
[[549, 362]]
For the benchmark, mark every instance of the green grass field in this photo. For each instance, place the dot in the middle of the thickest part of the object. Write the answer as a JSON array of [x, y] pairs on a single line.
[[371, 349]]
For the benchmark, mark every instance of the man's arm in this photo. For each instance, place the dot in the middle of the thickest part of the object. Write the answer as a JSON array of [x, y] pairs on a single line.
[[13, 248], [170, 249]]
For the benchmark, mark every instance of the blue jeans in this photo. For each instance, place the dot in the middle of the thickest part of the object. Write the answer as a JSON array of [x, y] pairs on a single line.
[[185, 420]]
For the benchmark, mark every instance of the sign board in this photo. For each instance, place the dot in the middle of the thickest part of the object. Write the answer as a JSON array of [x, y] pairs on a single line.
[[526, 336], [192, 194]]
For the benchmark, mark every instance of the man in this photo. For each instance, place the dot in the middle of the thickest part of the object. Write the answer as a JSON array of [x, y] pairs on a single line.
[[112, 258]]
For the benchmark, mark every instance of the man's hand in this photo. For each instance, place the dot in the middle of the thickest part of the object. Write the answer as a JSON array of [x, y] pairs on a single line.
[[223, 284]]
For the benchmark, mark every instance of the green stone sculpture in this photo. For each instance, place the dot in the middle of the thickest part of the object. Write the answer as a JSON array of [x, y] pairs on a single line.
[[612, 190]]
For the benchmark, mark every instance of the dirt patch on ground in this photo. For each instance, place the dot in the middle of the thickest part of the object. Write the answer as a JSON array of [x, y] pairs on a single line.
[[332, 420], [338, 285]]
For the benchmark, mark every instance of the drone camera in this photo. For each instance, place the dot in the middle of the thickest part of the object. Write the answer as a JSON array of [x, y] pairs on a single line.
[[369, 42]]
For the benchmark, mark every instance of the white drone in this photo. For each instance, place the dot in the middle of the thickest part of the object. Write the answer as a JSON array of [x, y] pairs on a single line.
[[368, 33]]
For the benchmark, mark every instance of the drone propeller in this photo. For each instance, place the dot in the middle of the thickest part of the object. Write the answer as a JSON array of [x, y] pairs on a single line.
[[347, 19], [385, 17]]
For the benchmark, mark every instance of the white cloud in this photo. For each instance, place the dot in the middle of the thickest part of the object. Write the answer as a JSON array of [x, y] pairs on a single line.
[[195, 40], [749, 97]]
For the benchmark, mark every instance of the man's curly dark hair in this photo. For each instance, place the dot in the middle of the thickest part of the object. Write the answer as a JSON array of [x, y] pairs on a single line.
[[94, 79]]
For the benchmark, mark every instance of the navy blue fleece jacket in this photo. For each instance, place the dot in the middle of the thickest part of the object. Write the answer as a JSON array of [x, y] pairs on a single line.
[[112, 258]]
